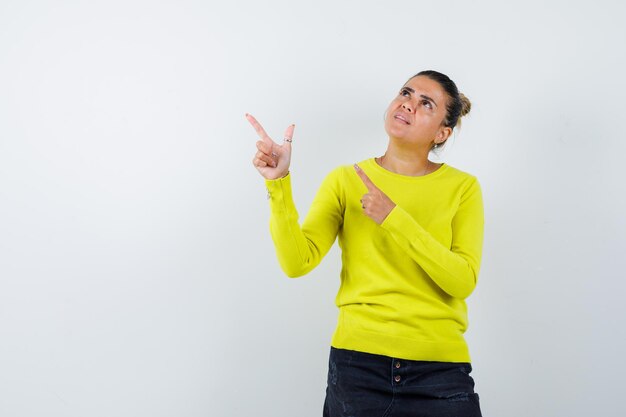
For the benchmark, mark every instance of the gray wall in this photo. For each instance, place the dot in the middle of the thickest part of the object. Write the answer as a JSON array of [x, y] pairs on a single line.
[[137, 275]]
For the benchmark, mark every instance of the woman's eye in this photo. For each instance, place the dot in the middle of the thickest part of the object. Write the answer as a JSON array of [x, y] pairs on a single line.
[[404, 92], [427, 104]]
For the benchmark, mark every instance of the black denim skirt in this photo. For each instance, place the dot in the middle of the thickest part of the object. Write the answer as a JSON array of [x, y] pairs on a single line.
[[367, 385]]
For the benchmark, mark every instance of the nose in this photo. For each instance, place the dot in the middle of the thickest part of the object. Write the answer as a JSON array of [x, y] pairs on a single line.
[[407, 107]]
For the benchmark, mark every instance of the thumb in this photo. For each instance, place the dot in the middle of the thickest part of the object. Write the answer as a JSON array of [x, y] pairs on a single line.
[[288, 137]]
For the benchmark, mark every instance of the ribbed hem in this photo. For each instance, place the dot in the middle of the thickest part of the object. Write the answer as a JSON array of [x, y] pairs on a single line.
[[400, 347]]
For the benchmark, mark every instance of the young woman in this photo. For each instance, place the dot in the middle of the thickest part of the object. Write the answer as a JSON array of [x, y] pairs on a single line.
[[411, 234]]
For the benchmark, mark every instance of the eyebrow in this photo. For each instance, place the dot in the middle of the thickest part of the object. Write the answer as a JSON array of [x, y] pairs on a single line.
[[421, 95]]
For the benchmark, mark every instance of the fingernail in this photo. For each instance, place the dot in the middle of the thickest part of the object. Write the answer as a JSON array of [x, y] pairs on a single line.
[[356, 166]]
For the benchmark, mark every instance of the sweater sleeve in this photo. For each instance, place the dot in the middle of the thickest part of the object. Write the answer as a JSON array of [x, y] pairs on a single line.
[[301, 248], [454, 269]]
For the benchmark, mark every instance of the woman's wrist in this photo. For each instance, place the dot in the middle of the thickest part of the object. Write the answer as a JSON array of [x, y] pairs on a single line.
[[278, 178]]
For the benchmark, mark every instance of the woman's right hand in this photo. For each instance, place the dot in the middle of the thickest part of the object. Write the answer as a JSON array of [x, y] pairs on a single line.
[[271, 160]]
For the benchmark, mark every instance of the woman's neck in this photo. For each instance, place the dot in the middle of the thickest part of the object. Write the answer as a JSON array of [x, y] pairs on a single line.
[[412, 164]]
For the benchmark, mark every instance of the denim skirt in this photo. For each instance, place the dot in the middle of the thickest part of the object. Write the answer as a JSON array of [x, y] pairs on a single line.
[[367, 385]]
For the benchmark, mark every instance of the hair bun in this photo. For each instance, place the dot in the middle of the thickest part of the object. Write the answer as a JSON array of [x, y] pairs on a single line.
[[466, 105]]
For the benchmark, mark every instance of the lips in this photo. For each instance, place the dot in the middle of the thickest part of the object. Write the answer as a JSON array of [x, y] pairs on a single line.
[[402, 118]]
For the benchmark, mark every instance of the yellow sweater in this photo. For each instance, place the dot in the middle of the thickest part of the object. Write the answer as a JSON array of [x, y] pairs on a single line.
[[403, 283]]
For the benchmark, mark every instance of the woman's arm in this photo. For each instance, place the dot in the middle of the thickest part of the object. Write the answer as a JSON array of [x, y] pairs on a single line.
[[300, 249], [454, 269]]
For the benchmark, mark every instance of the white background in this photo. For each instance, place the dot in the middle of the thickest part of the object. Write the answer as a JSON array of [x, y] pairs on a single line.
[[137, 275]]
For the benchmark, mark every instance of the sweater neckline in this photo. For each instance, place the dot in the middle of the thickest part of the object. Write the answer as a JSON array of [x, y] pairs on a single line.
[[374, 165]]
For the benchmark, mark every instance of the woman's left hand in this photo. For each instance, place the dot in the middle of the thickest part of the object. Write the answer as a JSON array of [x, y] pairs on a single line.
[[375, 203]]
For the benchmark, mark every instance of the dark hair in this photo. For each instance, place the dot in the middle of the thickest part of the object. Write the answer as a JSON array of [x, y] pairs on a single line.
[[458, 105]]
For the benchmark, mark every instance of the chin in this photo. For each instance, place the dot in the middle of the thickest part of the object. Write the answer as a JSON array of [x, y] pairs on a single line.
[[394, 131], [397, 133]]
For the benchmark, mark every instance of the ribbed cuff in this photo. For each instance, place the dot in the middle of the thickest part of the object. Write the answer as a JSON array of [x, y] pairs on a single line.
[[279, 194], [398, 222]]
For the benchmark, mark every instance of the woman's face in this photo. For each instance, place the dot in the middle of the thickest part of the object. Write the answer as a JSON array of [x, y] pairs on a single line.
[[416, 114]]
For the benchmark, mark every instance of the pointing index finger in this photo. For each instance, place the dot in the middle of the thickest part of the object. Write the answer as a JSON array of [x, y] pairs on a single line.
[[259, 129], [366, 180]]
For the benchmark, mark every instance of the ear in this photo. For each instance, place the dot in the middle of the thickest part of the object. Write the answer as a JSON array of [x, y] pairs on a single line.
[[443, 134]]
